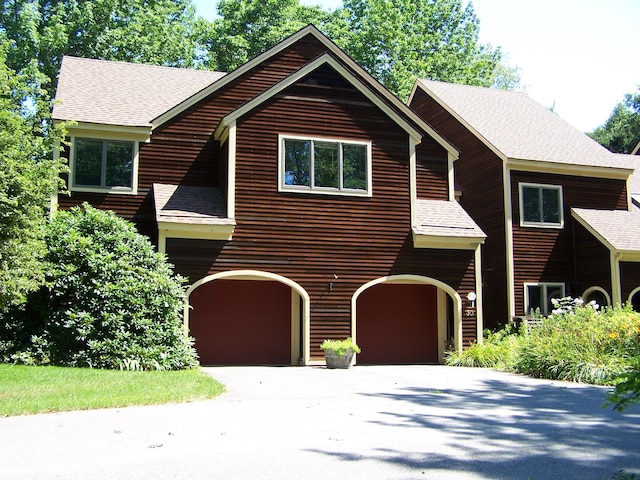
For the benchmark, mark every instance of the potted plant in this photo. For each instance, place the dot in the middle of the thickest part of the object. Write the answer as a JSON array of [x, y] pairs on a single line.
[[339, 353]]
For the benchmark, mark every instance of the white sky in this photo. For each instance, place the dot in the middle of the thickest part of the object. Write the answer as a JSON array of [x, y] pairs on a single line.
[[578, 56]]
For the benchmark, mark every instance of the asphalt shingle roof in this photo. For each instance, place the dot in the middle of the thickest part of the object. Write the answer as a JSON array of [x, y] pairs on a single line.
[[520, 128], [123, 94], [443, 218], [617, 227], [190, 205]]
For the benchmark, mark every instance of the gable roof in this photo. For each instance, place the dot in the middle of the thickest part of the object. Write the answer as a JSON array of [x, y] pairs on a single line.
[[123, 94], [324, 59], [363, 77], [516, 127], [616, 229]]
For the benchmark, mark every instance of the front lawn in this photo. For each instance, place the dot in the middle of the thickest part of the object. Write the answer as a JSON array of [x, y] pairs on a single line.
[[29, 389]]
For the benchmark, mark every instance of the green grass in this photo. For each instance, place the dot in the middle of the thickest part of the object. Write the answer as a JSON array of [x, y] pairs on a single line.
[[29, 389]]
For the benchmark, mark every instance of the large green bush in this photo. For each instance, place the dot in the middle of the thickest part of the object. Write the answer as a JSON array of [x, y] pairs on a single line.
[[582, 345], [110, 301], [576, 343]]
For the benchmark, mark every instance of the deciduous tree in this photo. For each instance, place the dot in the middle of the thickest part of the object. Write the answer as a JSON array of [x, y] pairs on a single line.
[[621, 132], [157, 32], [28, 178]]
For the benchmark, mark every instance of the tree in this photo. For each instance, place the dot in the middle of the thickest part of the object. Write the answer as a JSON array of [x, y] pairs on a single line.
[[246, 28], [394, 40], [28, 178], [109, 301], [157, 32], [621, 132], [398, 41]]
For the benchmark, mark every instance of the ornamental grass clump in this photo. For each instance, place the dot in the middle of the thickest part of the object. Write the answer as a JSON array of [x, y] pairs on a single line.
[[498, 350], [582, 344]]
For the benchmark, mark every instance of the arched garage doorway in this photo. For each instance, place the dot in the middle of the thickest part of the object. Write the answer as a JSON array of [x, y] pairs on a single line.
[[405, 319], [248, 318]]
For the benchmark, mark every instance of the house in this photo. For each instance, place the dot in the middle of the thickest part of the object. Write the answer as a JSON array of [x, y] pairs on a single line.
[[299, 197], [555, 205]]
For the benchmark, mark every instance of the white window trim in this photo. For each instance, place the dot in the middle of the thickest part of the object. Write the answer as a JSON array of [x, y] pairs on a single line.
[[523, 223], [133, 190], [282, 187], [541, 284]]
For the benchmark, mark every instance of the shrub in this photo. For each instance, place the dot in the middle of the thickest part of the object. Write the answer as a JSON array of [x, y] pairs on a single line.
[[498, 350], [110, 301], [582, 345]]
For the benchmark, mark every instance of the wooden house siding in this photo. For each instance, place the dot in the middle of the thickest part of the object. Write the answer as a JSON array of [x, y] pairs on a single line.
[[547, 254], [317, 239], [592, 261], [183, 150], [478, 174], [630, 278]]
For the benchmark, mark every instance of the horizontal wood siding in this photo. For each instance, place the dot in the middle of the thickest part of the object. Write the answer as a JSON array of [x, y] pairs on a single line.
[[630, 278], [592, 261], [478, 174], [183, 150], [313, 239], [546, 254]]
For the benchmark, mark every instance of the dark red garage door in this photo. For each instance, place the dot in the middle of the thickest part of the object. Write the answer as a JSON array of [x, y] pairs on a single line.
[[397, 324], [241, 322]]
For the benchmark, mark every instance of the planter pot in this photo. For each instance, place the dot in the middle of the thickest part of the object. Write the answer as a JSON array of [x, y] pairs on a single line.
[[338, 361]]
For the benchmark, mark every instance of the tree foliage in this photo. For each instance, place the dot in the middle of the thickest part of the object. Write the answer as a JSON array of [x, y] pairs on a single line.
[[157, 32], [621, 132], [398, 41], [28, 178], [394, 40], [246, 28], [110, 301]]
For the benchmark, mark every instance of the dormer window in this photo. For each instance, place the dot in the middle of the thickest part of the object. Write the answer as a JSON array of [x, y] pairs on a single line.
[[99, 164], [326, 166]]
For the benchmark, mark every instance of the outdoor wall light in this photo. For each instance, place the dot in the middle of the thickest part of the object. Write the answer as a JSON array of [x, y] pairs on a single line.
[[471, 296], [330, 287]]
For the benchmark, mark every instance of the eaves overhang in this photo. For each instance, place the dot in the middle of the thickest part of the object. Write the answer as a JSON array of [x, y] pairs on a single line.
[[446, 243], [561, 168], [197, 231]]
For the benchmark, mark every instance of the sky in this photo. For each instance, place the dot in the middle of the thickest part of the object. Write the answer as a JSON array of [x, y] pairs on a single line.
[[579, 57]]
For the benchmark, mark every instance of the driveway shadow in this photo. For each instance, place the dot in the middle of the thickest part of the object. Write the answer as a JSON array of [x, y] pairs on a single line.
[[506, 430]]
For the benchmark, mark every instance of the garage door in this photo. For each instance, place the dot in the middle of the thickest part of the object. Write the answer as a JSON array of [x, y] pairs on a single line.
[[241, 322], [397, 324]]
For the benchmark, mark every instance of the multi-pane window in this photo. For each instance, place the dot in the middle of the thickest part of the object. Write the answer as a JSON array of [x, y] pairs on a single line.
[[539, 295], [103, 163], [325, 166], [541, 205]]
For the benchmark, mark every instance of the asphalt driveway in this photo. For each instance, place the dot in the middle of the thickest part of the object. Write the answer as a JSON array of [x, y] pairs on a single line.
[[391, 422]]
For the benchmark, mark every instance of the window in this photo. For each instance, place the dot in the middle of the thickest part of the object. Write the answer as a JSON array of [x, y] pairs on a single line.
[[539, 295], [325, 166], [540, 205], [103, 164]]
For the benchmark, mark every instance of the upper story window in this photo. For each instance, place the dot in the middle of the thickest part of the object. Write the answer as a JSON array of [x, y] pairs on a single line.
[[100, 164], [539, 295], [541, 205], [315, 165]]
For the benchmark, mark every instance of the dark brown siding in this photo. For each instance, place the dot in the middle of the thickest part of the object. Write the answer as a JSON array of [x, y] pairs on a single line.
[[312, 239], [478, 174], [547, 254], [592, 261], [630, 278], [183, 150], [431, 171]]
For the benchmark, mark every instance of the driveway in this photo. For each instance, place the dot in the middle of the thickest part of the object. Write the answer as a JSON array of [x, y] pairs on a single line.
[[390, 422]]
